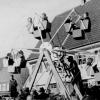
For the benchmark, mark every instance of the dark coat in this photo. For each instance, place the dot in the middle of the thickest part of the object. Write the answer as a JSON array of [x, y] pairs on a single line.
[[13, 88]]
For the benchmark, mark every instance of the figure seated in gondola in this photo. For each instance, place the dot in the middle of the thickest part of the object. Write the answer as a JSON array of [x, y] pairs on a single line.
[[86, 22], [77, 33], [11, 67], [68, 24], [40, 30]]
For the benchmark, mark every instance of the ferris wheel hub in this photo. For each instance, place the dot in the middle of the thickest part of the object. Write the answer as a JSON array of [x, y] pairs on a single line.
[[46, 45]]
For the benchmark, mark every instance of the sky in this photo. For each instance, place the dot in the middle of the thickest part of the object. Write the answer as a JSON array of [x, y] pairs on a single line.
[[13, 19]]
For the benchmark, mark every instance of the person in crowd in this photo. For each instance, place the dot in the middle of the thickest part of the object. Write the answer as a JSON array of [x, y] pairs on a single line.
[[35, 94], [0, 97], [26, 92], [23, 94], [65, 66], [20, 95], [92, 64], [73, 68], [96, 64], [13, 87], [42, 94]]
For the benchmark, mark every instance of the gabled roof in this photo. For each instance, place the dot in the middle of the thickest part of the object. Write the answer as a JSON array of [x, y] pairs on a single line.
[[93, 7]]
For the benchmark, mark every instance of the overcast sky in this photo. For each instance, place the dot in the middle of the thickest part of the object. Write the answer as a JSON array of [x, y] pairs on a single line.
[[13, 16]]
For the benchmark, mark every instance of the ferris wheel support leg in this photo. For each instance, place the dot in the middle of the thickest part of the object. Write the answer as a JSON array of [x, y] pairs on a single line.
[[78, 92], [61, 85], [49, 80], [32, 77]]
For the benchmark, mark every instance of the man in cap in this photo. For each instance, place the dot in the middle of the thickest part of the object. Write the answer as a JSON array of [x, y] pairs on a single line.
[[73, 68]]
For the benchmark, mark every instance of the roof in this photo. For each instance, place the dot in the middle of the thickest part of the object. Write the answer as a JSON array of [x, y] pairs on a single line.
[[93, 7]]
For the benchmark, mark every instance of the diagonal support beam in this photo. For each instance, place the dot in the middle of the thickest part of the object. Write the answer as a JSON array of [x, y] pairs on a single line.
[[65, 39], [31, 79], [78, 92], [69, 34], [63, 89], [49, 80], [61, 25]]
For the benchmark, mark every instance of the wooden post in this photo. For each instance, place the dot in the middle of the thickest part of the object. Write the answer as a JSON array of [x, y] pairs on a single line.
[[31, 79], [49, 80], [63, 89]]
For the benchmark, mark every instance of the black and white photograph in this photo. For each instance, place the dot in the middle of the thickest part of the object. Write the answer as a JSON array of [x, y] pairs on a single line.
[[49, 49]]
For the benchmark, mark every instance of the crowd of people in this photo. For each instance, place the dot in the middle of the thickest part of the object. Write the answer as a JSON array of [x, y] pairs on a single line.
[[25, 93]]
